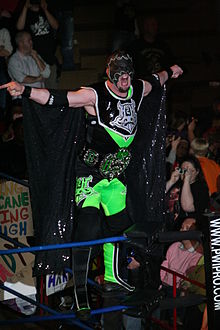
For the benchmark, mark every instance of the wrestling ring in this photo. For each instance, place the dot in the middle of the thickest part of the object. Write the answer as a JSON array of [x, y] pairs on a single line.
[[210, 238]]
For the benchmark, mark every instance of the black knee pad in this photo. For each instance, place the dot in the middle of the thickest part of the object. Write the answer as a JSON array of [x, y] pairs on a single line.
[[115, 224], [88, 224], [88, 227]]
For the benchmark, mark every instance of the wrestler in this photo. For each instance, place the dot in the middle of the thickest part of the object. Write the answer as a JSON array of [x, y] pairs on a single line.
[[112, 108]]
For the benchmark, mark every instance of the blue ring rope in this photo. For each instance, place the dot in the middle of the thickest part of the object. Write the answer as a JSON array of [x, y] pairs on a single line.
[[62, 246], [19, 295], [65, 316], [44, 307]]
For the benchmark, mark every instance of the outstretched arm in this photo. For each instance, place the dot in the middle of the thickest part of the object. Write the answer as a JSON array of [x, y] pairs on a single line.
[[173, 72], [37, 94], [80, 98]]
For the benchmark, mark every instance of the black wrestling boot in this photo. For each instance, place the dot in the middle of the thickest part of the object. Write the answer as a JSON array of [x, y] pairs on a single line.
[[80, 267], [114, 283]]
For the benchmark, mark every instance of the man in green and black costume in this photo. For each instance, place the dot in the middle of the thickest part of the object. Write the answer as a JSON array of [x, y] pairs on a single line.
[[101, 184]]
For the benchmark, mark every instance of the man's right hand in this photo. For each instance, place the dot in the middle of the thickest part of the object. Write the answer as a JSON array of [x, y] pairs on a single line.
[[14, 88], [177, 71], [27, 4]]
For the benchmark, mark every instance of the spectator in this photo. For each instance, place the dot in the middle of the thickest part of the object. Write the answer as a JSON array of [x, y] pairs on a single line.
[[125, 24], [215, 117], [193, 194], [194, 314], [5, 43], [212, 132], [7, 20], [214, 147], [180, 257], [149, 52], [64, 14], [26, 65], [5, 51], [199, 148], [180, 124], [180, 132], [179, 149], [37, 19]]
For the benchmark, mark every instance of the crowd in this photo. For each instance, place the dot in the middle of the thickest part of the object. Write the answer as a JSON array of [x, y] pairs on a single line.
[[27, 56], [30, 31]]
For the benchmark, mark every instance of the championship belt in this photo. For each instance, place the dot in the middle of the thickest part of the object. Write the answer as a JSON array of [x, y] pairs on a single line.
[[112, 165]]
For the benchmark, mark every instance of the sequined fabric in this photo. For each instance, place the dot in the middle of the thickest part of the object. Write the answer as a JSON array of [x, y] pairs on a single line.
[[51, 137], [146, 173]]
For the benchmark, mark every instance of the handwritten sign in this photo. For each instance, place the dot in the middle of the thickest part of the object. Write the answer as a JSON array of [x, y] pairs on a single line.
[[15, 210], [57, 282], [15, 268], [15, 222]]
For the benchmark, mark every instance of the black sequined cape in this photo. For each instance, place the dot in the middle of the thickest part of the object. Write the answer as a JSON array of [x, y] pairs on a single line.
[[52, 139]]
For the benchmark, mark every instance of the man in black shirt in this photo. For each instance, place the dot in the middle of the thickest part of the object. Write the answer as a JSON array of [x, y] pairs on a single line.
[[150, 52], [37, 19]]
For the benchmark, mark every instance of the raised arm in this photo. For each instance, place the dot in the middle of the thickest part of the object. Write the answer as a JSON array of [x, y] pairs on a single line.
[[175, 175], [22, 18], [51, 19], [80, 98], [186, 198], [173, 72]]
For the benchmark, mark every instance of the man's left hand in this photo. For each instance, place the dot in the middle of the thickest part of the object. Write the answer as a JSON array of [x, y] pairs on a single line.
[[43, 5], [177, 71]]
